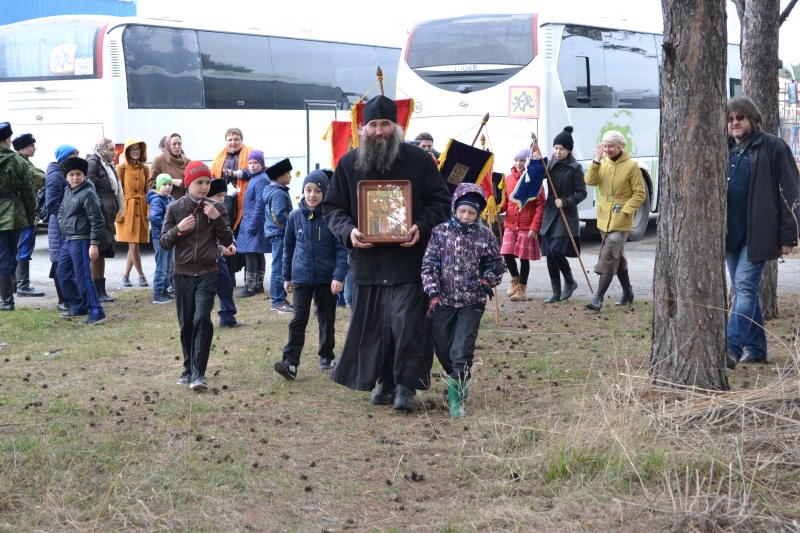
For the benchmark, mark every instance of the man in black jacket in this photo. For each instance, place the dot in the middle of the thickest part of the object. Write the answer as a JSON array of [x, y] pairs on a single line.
[[384, 342], [763, 212]]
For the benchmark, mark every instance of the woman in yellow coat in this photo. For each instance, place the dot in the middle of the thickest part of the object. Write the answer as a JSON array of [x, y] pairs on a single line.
[[620, 193], [133, 227]]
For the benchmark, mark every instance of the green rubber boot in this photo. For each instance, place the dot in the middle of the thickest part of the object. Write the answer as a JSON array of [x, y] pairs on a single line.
[[455, 397]]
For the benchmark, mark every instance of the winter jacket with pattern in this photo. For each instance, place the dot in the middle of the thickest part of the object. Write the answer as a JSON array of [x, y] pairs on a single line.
[[311, 253], [251, 229], [195, 250], [277, 206], [459, 256], [17, 197], [80, 216]]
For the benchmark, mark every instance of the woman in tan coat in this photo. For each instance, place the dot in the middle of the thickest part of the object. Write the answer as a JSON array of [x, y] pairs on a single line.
[[620, 193], [173, 162], [133, 226]]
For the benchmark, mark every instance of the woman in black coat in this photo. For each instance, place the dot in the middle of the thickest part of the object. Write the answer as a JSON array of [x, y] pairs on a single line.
[[567, 176]]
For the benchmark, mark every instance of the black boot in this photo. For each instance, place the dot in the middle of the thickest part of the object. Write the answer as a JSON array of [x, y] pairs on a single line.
[[384, 394], [100, 283], [556, 296], [24, 279], [597, 302], [62, 303], [6, 293], [569, 285], [249, 285], [404, 399], [627, 290]]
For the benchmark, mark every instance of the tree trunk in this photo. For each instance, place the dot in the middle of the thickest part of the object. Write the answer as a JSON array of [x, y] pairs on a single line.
[[689, 320], [759, 50]]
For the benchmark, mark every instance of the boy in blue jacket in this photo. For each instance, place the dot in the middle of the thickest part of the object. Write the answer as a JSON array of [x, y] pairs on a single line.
[[314, 266], [159, 198], [277, 206]]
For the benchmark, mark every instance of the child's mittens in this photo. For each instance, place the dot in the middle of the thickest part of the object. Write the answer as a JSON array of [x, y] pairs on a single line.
[[487, 288], [435, 301], [232, 190]]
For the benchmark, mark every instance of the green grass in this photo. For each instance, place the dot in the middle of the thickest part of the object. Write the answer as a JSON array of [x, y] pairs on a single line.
[[95, 435]]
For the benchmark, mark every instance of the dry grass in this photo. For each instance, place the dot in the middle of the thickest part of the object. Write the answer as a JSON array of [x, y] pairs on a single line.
[[564, 432]]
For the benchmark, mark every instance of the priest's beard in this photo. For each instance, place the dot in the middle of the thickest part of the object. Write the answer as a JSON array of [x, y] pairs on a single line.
[[378, 154]]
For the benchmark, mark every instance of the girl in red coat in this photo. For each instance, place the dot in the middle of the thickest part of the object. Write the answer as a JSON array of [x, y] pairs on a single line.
[[521, 230]]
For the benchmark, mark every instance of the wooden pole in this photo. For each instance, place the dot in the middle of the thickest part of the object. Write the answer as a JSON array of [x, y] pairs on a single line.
[[489, 220], [535, 148], [379, 74], [483, 123]]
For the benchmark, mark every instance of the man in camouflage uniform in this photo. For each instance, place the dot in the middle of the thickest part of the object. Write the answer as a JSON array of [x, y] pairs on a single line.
[[25, 145], [17, 211]]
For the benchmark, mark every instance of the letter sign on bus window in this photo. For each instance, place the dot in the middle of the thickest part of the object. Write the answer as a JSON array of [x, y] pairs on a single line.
[[523, 102]]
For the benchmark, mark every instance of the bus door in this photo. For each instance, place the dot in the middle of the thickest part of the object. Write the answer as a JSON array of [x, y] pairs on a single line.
[[319, 115]]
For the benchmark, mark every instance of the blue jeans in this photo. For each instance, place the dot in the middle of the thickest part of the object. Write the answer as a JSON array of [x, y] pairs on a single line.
[[746, 324], [75, 278], [163, 268], [227, 307], [276, 290]]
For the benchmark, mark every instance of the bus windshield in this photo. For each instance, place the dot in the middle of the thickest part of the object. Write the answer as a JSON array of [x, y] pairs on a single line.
[[472, 40], [47, 50]]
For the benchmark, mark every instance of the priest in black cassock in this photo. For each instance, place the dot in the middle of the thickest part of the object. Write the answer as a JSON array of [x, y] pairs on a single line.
[[384, 342]]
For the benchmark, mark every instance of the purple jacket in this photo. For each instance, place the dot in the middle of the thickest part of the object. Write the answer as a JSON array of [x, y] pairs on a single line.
[[459, 256]]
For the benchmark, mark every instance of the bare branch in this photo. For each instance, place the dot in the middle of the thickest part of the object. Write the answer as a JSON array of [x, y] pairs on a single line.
[[786, 12]]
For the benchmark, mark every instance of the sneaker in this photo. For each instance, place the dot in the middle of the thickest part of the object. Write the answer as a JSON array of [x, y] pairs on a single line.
[[748, 357], [143, 281], [185, 378], [282, 308], [232, 325], [69, 315], [170, 295], [161, 298], [63, 306], [126, 281], [286, 370], [93, 321], [325, 364], [170, 290], [199, 384]]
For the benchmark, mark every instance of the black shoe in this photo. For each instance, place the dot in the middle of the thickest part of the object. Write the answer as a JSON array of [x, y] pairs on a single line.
[[556, 294], [69, 315], [161, 298], [626, 298], [102, 295], [597, 302], [185, 378], [325, 364], [89, 321], [384, 394], [236, 324], [63, 306], [748, 357], [28, 291], [245, 293], [404, 399], [286, 370], [730, 361]]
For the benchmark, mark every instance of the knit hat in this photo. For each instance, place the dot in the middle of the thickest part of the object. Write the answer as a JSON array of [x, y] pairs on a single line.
[[5, 131], [64, 151], [162, 179], [279, 169], [380, 107], [258, 155], [194, 170], [613, 136], [74, 163], [523, 154], [318, 178], [473, 200], [565, 139], [217, 186], [23, 141]]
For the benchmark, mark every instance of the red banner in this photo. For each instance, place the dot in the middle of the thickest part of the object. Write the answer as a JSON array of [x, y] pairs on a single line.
[[341, 140]]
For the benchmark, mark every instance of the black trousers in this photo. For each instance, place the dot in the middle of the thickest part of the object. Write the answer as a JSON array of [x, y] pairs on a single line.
[[326, 316], [194, 299], [455, 330]]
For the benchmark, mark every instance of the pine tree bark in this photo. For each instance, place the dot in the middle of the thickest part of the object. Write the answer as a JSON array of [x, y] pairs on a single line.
[[689, 320], [759, 51]]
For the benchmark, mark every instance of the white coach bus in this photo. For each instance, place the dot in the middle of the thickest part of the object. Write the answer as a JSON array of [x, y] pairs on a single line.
[[536, 73], [75, 79]]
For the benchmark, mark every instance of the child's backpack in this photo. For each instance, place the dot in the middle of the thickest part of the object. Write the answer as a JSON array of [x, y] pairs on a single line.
[[41, 206]]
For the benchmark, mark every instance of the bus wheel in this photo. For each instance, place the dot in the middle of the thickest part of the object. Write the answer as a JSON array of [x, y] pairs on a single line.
[[641, 218]]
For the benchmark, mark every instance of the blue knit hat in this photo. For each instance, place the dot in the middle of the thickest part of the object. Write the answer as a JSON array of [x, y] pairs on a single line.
[[64, 151], [318, 178], [258, 155]]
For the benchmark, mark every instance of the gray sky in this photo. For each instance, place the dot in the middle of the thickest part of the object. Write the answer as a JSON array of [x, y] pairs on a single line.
[[374, 21]]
